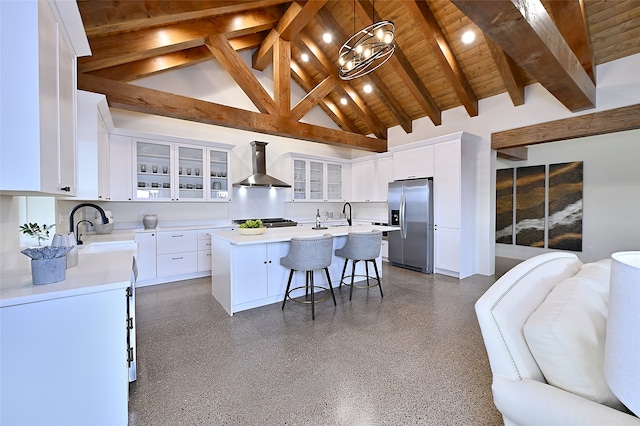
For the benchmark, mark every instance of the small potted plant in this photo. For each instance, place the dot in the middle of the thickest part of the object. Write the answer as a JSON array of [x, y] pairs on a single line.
[[36, 231], [251, 227]]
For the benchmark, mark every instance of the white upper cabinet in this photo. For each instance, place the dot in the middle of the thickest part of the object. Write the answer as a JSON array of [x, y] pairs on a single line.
[[38, 145], [318, 180], [413, 163], [370, 179], [172, 171]]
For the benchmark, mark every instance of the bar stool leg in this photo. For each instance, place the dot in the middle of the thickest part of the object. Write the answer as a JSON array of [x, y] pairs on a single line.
[[343, 271], [366, 271], [286, 292], [375, 266], [353, 277], [330, 286], [313, 297]]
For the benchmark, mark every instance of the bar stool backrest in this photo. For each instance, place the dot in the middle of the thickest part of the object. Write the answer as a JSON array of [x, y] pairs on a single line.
[[362, 245], [309, 253]]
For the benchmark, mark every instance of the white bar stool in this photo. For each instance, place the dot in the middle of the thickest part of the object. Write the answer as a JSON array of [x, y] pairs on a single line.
[[309, 254], [363, 246]]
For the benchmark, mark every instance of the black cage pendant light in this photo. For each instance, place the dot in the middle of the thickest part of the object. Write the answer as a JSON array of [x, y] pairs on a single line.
[[367, 49]]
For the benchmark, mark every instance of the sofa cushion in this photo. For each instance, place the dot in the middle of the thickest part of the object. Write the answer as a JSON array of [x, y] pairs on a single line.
[[566, 334]]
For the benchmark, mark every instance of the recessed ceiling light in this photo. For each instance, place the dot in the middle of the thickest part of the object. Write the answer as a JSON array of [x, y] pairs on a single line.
[[304, 57], [343, 101], [468, 37], [327, 37], [367, 88]]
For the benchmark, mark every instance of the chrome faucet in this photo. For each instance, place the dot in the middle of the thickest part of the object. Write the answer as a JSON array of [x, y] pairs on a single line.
[[79, 206], [344, 208]]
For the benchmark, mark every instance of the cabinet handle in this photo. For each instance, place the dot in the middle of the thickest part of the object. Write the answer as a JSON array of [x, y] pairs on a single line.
[[130, 323], [176, 236], [65, 189], [177, 258]]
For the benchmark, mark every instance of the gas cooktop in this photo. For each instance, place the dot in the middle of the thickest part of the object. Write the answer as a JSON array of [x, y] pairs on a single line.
[[275, 222]]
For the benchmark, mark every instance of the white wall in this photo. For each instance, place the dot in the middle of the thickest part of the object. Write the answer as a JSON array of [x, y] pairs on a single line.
[[611, 192], [9, 223]]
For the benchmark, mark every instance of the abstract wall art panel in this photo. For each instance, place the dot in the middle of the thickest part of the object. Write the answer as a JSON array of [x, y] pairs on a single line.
[[565, 206], [530, 220], [504, 206]]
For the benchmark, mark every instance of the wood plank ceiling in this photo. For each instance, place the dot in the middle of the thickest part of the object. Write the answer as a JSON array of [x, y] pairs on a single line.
[[519, 42]]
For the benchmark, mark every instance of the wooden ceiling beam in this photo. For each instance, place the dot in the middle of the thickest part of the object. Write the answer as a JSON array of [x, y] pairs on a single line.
[[241, 73], [101, 18], [292, 22], [509, 71], [520, 153], [313, 98], [336, 114], [526, 32], [381, 89], [597, 123], [282, 77], [373, 123], [430, 29], [172, 61], [571, 19], [120, 49], [155, 102]]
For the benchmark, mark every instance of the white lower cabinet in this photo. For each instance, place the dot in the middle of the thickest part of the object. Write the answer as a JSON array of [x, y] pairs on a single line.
[[256, 269], [146, 258], [177, 252], [204, 249]]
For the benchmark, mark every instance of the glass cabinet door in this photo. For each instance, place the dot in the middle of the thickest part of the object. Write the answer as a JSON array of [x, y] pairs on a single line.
[[190, 173], [219, 179], [334, 181], [153, 171], [299, 180], [316, 180]]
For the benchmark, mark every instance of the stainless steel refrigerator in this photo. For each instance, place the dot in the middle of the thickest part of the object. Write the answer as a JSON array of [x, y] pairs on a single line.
[[411, 208]]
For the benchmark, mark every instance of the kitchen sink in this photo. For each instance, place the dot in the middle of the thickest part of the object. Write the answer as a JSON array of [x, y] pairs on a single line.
[[105, 246]]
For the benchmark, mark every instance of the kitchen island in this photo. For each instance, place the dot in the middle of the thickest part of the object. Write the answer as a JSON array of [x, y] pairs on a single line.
[[64, 345], [246, 271]]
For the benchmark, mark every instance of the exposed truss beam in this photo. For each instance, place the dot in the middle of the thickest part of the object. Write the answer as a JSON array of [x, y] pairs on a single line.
[[509, 72], [428, 25], [571, 19], [171, 61], [312, 98], [597, 123], [377, 127], [107, 16], [120, 49], [282, 77], [240, 72], [149, 101], [526, 32], [292, 22]]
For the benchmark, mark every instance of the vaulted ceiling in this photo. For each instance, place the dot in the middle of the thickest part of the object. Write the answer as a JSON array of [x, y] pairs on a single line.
[[557, 43]]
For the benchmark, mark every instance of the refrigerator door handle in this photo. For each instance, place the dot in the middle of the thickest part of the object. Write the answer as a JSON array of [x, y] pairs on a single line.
[[403, 230]]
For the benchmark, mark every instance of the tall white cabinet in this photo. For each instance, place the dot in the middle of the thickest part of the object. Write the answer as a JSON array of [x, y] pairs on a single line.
[[452, 162], [38, 118]]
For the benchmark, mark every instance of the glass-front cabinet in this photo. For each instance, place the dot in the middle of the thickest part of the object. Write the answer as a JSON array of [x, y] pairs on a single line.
[[169, 171], [154, 170], [219, 175], [315, 180]]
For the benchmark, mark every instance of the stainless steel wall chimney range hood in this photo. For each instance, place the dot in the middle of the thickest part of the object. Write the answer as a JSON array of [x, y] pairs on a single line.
[[260, 176]]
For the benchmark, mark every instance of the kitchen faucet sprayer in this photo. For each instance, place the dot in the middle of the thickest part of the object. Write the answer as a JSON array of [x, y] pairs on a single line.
[[79, 206], [344, 208]]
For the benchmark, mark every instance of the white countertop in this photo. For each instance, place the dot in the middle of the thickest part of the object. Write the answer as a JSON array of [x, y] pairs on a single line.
[[272, 235], [95, 272]]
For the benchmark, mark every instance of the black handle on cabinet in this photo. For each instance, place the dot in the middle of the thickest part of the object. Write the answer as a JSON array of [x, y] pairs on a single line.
[[65, 189], [177, 236], [177, 258]]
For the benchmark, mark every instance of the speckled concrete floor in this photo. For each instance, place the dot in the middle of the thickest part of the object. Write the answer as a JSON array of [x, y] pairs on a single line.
[[415, 357]]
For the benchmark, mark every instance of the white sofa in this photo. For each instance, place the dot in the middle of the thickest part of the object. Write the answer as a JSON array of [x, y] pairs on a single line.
[[547, 315]]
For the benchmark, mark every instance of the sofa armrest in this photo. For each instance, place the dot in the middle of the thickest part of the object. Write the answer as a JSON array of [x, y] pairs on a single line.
[[528, 402]]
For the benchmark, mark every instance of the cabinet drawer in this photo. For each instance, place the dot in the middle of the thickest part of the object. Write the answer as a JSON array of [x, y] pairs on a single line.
[[204, 244], [177, 264], [177, 241], [204, 260], [205, 234]]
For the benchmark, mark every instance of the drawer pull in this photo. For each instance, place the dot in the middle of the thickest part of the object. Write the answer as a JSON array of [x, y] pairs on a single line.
[[177, 258], [177, 236]]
